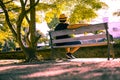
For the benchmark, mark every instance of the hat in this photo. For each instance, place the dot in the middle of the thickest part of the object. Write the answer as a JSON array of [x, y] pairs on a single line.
[[62, 17]]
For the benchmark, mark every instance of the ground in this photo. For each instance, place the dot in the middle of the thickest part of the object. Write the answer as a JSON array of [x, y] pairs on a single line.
[[75, 69]]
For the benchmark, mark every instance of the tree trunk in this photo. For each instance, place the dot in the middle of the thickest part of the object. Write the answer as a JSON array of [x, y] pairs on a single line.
[[30, 54], [30, 51]]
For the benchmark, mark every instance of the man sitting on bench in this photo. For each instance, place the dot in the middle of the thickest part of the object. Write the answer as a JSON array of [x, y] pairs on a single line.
[[62, 26]]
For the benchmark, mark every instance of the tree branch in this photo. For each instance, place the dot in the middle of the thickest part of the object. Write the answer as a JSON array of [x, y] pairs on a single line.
[[7, 18], [32, 6], [27, 35], [21, 17], [8, 2], [37, 38]]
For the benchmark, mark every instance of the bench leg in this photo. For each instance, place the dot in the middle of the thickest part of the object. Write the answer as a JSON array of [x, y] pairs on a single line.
[[108, 52], [52, 54], [112, 51]]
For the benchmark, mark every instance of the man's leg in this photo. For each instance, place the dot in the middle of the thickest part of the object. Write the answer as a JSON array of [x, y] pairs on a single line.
[[70, 52], [67, 50], [73, 50], [69, 55]]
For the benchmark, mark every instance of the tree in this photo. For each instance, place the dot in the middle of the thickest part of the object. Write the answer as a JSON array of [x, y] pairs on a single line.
[[76, 10], [86, 10], [30, 48], [117, 13]]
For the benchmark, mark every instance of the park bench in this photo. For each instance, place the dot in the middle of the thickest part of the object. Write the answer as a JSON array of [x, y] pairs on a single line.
[[96, 39]]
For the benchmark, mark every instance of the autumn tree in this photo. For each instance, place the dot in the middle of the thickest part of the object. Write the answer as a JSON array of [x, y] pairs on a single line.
[[76, 10], [27, 8]]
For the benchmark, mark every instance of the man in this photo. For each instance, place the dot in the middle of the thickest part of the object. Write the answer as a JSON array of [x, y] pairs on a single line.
[[62, 26]]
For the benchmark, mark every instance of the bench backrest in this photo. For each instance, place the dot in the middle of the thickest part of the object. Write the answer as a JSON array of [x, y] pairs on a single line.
[[81, 32]]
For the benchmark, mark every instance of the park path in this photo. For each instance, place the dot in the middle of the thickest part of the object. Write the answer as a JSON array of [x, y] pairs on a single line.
[[75, 69]]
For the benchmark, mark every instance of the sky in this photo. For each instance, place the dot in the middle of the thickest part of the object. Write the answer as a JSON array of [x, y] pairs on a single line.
[[107, 14]]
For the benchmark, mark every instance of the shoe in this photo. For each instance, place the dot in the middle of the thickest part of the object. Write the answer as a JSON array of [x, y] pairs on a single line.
[[70, 56]]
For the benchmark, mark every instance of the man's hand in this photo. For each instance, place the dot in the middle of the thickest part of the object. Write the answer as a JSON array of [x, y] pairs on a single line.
[[76, 26]]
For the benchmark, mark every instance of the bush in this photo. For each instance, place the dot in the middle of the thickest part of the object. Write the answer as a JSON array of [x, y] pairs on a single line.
[[86, 52]]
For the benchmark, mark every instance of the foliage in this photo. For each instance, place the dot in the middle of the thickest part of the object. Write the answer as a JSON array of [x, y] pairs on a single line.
[[117, 41], [76, 10], [84, 14], [116, 13], [5, 31], [53, 23]]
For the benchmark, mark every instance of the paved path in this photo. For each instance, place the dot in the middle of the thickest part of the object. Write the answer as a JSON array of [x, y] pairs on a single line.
[[75, 69]]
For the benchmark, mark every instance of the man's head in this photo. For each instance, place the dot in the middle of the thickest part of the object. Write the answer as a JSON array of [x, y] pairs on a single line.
[[62, 18]]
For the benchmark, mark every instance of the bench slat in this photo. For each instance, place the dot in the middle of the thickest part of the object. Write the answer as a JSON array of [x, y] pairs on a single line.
[[89, 37], [83, 45], [80, 30]]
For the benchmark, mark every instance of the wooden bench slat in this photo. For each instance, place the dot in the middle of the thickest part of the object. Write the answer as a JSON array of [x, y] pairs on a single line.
[[80, 30], [83, 45], [89, 37]]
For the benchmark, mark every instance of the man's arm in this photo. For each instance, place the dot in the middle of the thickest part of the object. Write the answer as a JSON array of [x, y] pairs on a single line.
[[76, 26]]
